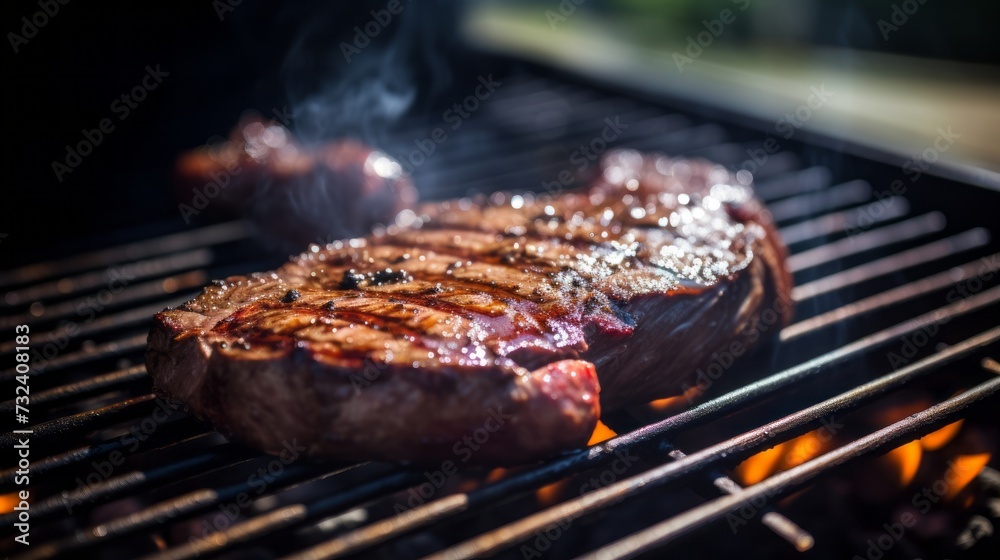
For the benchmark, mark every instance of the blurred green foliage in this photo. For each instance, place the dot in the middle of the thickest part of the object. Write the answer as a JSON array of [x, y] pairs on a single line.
[[957, 30]]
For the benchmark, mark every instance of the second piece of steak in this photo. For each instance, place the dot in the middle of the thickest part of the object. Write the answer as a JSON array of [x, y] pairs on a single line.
[[476, 329]]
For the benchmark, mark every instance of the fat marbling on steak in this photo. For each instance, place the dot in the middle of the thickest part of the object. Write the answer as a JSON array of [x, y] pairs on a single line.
[[518, 322]]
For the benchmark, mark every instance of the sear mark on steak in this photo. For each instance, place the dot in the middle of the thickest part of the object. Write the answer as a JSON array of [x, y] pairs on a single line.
[[545, 310]]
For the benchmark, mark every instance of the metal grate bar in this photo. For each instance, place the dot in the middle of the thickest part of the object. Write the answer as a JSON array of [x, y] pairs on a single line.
[[185, 467], [170, 433], [132, 317], [843, 220], [908, 429], [745, 443], [797, 182], [906, 230], [776, 522], [470, 166], [80, 308], [545, 135], [779, 164], [504, 177], [87, 421], [203, 237], [965, 241], [810, 204], [107, 350], [399, 524], [896, 295], [181, 507], [408, 521], [147, 518], [290, 515], [79, 389], [693, 138], [122, 274]]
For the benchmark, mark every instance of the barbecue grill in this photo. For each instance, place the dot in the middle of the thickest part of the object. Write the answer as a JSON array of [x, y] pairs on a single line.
[[895, 292]]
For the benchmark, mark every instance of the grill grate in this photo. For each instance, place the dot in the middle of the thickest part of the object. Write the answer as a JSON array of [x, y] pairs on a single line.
[[856, 295]]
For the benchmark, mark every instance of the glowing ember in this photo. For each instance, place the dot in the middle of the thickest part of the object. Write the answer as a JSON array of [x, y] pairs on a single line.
[[803, 448], [963, 470], [671, 405], [790, 454], [668, 403], [936, 440], [7, 502], [495, 475], [907, 459], [549, 495], [601, 433], [761, 465]]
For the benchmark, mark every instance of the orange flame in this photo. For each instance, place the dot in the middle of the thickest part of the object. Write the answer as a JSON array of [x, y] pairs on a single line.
[[495, 475], [761, 465], [784, 456], [601, 433], [903, 463], [678, 403], [667, 404], [907, 459], [965, 468], [803, 448], [7, 502], [549, 495], [938, 439], [470, 484]]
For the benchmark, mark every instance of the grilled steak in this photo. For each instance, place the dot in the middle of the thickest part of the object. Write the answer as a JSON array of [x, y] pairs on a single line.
[[262, 171], [479, 328]]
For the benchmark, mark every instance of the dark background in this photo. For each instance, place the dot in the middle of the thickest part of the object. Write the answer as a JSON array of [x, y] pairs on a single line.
[[65, 78]]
